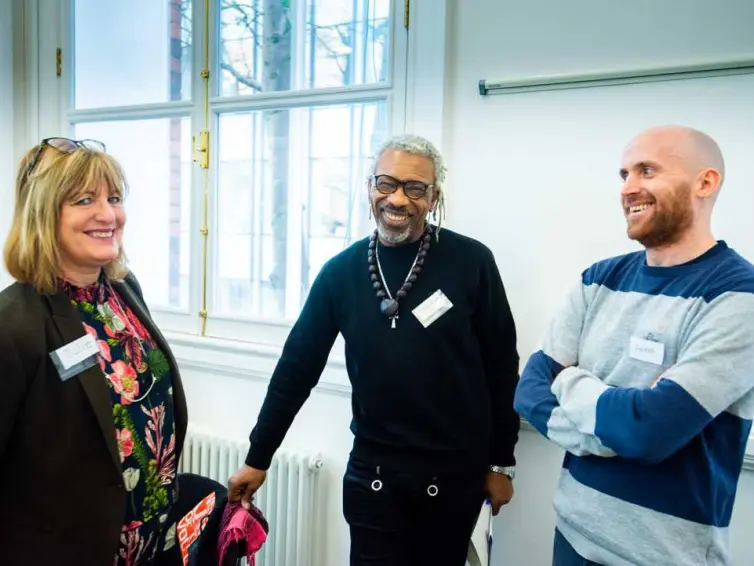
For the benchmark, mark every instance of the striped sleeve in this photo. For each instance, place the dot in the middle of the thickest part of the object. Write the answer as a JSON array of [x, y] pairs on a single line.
[[534, 399], [714, 369]]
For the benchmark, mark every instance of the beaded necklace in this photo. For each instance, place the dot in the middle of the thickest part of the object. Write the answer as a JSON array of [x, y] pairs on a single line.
[[389, 304]]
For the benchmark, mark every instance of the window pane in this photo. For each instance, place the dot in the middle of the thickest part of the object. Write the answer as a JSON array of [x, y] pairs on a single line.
[[156, 157], [131, 52], [266, 47], [291, 194]]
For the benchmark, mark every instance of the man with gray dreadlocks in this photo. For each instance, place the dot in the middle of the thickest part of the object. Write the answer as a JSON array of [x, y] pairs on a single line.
[[432, 359]]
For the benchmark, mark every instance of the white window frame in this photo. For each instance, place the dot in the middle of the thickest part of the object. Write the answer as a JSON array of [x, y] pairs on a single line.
[[416, 104], [8, 102]]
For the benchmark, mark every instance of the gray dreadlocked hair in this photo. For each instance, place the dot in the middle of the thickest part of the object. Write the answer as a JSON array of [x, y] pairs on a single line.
[[418, 145]]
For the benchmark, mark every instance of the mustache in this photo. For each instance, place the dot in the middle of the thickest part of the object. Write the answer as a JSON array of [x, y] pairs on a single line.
[[638, 199], [395, 210]]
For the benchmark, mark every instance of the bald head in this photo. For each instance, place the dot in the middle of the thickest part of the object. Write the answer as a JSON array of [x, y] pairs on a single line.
[[696, 150]]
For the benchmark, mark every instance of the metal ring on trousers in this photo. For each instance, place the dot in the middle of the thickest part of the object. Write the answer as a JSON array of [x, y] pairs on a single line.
[[432, 490], [376, 485]]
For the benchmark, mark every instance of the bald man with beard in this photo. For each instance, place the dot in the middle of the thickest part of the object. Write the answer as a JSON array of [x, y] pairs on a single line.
[[646, 375]]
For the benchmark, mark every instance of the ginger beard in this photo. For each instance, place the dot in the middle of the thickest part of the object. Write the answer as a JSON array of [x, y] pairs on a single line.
[[659, 222]]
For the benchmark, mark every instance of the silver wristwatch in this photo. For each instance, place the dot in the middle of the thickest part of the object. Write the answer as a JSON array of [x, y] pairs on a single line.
[[509, 471]]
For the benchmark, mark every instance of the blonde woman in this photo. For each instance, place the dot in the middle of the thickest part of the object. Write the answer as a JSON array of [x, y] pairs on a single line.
[[92, 411]]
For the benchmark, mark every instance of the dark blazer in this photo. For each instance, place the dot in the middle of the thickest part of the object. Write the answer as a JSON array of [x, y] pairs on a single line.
[[62, 498]]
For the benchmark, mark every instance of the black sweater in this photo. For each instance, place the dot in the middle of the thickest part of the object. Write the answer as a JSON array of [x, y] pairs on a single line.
[[435, 399]]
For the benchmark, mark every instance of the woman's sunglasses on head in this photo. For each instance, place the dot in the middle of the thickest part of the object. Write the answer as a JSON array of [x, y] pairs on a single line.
[[63, 145]]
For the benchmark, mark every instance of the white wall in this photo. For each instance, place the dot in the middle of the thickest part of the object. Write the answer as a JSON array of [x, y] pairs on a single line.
[[534, 175], [543, 166]]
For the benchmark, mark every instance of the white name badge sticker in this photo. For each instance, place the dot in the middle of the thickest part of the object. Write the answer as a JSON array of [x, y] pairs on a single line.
[[433, 308], [75, 357], [647, 350]]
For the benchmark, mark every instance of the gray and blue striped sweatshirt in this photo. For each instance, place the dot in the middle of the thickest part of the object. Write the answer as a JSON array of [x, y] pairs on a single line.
[[646, 378]]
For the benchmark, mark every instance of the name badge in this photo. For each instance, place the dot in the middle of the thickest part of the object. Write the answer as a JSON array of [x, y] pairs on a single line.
[[647, 350], [75, 357], [433, 308]]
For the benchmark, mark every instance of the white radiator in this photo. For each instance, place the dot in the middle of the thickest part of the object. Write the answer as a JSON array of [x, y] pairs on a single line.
[[287, 497]]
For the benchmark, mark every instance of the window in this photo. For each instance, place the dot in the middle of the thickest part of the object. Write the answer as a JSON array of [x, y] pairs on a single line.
[[131, 89], [299, 94], [290, 195]]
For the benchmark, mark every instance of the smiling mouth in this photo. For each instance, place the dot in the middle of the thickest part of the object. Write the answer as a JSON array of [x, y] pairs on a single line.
[[394, 218], [638, 209], [101, 234]]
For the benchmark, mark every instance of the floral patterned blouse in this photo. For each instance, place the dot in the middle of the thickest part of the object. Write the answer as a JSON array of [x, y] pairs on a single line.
[[138, 376]]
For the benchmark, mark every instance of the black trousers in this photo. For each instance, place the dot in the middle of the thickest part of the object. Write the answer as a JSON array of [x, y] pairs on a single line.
[[399, 519]]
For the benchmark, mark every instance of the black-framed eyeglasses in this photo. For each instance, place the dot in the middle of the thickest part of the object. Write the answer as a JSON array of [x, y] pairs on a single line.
[[63, 145], [387, 185]]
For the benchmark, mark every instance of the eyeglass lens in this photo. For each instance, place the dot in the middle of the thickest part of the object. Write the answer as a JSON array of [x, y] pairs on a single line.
[[62, 144], [388, 185]]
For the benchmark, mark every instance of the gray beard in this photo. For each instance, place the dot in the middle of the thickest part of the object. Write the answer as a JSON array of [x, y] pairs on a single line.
[[392, 237]]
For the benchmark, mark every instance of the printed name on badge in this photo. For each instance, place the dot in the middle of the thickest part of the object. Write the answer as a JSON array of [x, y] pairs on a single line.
[[647, 350], [77, 351]]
